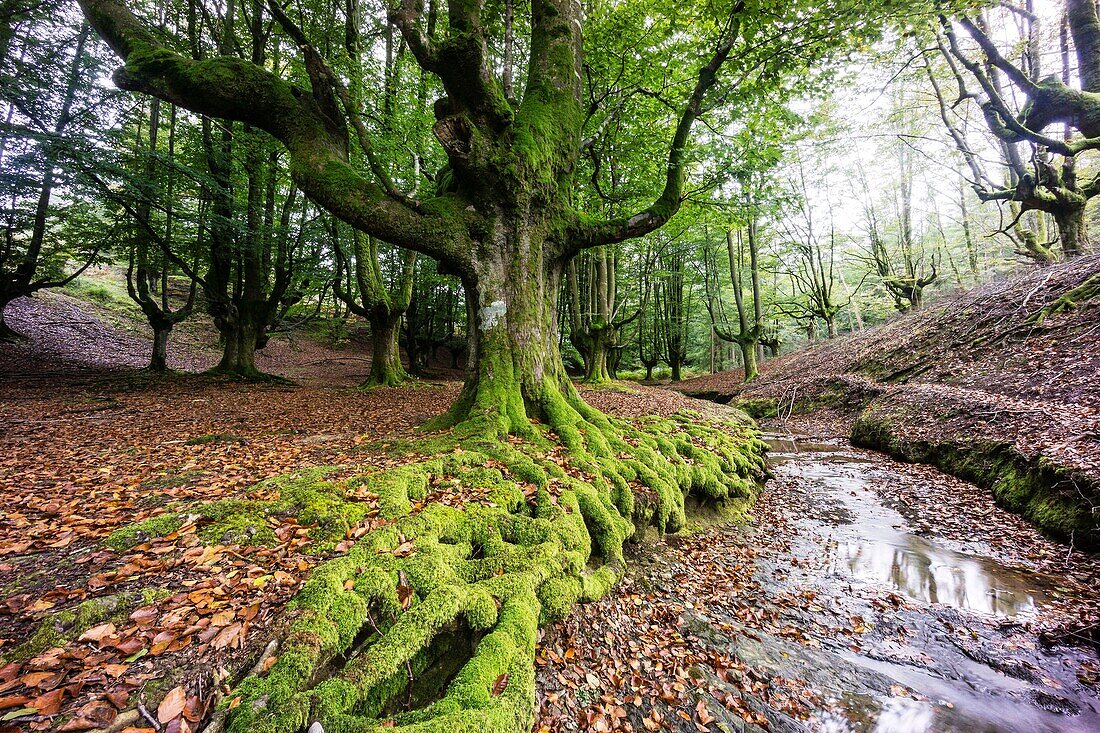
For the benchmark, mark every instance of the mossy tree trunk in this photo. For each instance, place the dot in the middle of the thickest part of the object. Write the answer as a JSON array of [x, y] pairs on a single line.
[[382, 308], [1072, 231], [507, 223], [514, 367]]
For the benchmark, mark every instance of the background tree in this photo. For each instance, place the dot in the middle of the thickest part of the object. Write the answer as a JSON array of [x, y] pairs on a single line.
[[37, 152], [382, 304], [148, 276]]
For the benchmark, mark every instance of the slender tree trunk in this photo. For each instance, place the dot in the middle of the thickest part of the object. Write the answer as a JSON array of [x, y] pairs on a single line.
[[971, 249], [386, 369], [757, 299], [747, 336], [158, 362]]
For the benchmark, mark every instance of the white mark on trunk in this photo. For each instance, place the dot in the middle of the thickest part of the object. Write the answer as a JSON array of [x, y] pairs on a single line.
[[491, 314], [316, 727]]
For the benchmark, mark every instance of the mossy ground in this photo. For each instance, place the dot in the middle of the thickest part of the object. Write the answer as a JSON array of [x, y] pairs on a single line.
[[62, 627], [429, 623]]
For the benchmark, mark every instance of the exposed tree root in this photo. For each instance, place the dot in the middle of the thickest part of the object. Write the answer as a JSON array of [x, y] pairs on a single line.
[[430, 623], [1086, 291]]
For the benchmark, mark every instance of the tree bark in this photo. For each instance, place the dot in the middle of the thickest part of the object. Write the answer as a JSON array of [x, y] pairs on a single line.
[[747, 337], [158, 362], [596, 361], [239, 335], [514, 368], [1072, 231], [386, 369]]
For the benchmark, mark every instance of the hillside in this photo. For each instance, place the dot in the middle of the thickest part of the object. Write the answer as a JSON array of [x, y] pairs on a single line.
[[998, 385]]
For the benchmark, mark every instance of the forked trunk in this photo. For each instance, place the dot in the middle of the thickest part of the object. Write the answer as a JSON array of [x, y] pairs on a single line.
[[596, 362], [239, 348]]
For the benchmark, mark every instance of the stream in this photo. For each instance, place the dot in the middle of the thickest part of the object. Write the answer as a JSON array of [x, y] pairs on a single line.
[[944, 631]]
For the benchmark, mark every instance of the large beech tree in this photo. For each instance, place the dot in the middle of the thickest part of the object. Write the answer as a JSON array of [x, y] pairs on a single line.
[[1036, 180], [504, 215]]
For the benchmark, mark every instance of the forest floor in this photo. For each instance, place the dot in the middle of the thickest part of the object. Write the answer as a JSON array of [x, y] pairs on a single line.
[[720, 629]]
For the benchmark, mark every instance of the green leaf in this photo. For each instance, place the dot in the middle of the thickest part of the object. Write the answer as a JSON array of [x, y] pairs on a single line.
[[20, 713]]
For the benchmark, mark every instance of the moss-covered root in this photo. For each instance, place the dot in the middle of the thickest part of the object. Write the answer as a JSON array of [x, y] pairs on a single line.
[[1086, 291], [429, 623]]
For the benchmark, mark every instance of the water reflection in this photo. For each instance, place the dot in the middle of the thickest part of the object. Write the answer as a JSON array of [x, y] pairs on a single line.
[[871, 544], [842, 515], [920, 570]]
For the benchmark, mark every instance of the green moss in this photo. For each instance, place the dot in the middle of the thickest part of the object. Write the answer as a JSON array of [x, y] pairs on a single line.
[[62, 627], [456, 595], [1087, 291], [759, 408], [134, 534], [216, 438], [323, 508]]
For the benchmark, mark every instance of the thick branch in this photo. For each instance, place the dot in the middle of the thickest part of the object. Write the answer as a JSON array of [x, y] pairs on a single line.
[[234, 89], [1085, 28], [668, 203]]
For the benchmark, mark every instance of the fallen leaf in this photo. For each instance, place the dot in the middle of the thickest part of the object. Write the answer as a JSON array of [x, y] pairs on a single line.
[[172, 704]]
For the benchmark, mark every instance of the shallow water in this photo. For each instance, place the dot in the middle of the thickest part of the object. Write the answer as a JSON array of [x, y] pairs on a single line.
[[955, 656]]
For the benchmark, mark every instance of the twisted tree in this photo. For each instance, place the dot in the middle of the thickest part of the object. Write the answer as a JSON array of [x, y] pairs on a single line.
[[503, 216], [505, 220], [1043, 176]]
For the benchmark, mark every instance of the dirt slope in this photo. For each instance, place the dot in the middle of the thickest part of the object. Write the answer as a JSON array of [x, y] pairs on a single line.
[[998, 385]]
